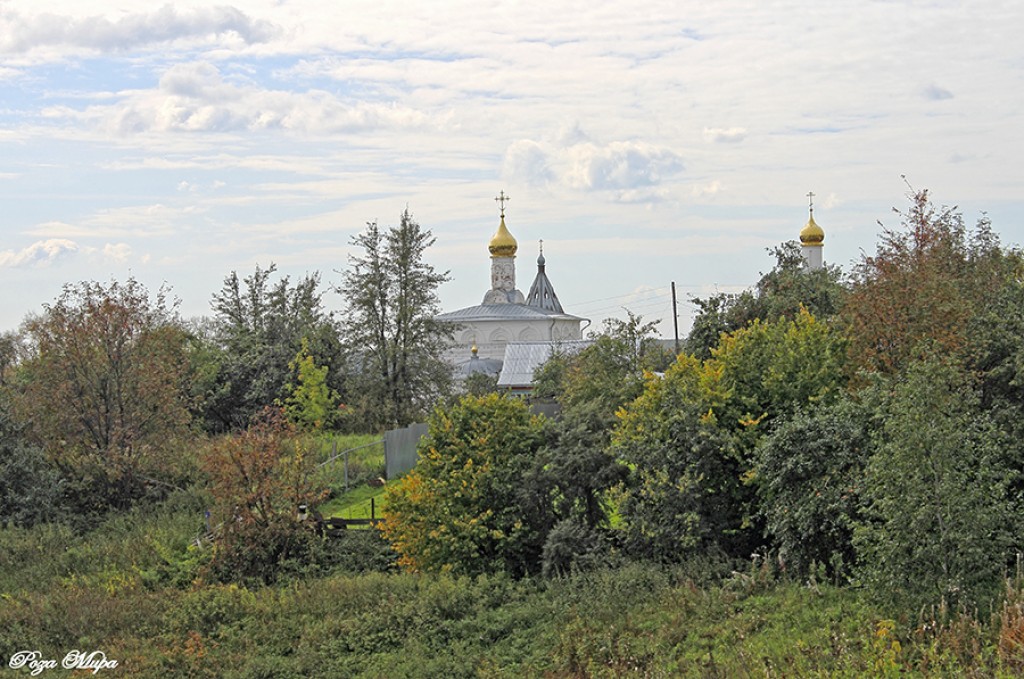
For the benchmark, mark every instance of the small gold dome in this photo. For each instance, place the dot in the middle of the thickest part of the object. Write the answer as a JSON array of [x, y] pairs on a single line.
[[503, 244], [812, 233]]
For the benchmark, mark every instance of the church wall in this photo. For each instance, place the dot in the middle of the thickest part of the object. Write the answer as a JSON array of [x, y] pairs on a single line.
[[529, 335], [491, 337]]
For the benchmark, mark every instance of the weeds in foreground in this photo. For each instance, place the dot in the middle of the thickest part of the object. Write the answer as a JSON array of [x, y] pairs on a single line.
[[127, 588]]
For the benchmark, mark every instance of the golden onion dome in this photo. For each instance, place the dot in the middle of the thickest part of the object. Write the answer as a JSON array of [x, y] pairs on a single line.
[[503, 244], [812, 233]]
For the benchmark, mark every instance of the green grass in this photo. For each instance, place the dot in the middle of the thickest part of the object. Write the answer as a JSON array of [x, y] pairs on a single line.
[[324, 444], [354, 504], [128, 588], [365, 461]]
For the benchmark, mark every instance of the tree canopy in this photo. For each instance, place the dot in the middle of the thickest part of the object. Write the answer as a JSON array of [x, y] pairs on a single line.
[[939, 521], [104, 391], [473, 503], [922, 289], [390, 293], [782, 292], [259, 326]]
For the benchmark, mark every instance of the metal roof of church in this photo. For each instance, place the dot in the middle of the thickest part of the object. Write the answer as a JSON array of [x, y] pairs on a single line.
[[523, 358], [503, 312]]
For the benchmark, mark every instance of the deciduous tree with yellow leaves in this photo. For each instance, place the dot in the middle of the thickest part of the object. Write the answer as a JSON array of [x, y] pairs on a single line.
[[477, 500]]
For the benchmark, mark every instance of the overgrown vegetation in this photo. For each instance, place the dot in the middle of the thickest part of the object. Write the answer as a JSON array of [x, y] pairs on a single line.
[[127, 587], [825, 484]]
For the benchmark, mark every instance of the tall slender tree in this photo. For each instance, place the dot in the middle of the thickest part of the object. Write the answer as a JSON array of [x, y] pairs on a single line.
[[391, 296], [259, 326]]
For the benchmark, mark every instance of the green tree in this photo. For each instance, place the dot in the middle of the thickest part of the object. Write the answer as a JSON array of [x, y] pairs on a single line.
[[476, 502], [771, 370], [996, 357], [391, 301], [591, 386], [685, 495], [611, 371], [311, 404], [782, 292], [30, 487], [690, 437], [104, 392], [480, 384], [258, 328], [938, 520], [809, 472], [11, 350]]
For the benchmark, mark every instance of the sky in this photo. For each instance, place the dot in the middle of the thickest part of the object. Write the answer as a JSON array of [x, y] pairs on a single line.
[[645, 142]]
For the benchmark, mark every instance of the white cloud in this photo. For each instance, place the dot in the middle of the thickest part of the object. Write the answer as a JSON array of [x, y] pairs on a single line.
[[831, 201], [48, 252], [709, 189], [194, 97], [529, 162], [119, 252], [135, 221], [39, 254], [586, 166], [619, 165], [21, 33], [731, 135]]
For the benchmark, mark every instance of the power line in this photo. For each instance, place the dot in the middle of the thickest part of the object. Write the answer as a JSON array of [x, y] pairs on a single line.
[[638, 304], [645, 306], [665, 289], [628, 294]]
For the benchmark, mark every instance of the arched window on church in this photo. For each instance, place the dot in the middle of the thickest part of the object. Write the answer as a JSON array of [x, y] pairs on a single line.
[[529, 335], [499, 335], [564, 332]]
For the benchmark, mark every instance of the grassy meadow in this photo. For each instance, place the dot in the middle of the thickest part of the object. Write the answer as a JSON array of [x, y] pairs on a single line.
[[134, 588]]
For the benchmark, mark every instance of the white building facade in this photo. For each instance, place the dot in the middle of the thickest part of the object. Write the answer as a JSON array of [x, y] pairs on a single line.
[[506, 315]]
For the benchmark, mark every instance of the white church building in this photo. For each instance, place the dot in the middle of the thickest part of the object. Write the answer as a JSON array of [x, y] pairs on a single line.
[[510, 334], [506, 316]]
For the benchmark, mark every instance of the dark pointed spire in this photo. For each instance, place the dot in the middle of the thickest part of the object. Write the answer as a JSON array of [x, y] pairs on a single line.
[[542, 293]]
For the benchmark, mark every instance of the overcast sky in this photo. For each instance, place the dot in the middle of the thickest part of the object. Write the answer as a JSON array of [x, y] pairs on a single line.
[[644, 142]]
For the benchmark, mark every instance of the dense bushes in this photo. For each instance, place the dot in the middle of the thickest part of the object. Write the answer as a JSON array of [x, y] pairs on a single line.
[[810, 471], [475, 503], [31, 489], [63, 590], [259, 479], [939, 523]]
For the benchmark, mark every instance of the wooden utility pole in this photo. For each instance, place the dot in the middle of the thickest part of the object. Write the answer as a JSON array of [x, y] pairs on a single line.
[[675, 316]]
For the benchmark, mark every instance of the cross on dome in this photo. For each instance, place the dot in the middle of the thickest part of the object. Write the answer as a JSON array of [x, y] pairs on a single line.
[[501, 200]]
